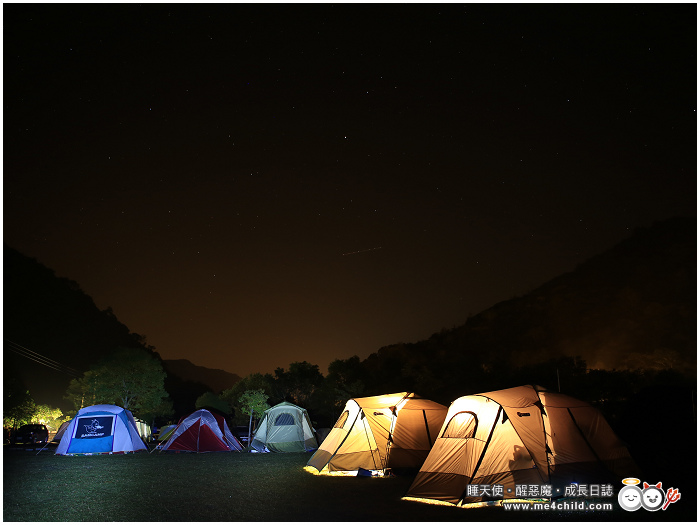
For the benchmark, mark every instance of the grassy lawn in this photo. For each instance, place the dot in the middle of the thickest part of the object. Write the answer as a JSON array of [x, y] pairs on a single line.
[[229, 487]]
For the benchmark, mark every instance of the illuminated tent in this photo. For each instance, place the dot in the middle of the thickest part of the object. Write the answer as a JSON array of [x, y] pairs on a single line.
[[284, 428], [165, 432], [375, 433], [164, 435], [520, 436], [202, 431], [61, 431], [144, 429], [100, 429]]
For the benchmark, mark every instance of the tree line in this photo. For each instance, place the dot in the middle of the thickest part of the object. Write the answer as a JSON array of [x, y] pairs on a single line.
[[134, 378]]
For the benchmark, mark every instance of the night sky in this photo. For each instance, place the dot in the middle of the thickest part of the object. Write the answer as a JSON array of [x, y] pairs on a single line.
[[253, 185]]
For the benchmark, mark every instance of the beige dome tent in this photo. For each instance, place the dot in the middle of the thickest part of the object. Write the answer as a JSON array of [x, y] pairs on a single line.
[[284, 428], [520, 436], [61, 430], [375, 433]]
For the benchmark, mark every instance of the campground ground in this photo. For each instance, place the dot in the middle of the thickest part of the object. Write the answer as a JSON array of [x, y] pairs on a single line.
[[40, 486]]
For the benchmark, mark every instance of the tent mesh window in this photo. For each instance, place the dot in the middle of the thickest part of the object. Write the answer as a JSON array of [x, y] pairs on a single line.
[[284, 419], [342, 419], [462, 425]]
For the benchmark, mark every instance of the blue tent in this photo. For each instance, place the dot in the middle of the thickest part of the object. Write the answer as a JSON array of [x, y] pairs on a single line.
[[100, 429]]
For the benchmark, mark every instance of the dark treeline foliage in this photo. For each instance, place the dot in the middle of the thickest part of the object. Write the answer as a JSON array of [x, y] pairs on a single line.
[[132, 378], [183, 394], [627, 398], [302, 384]]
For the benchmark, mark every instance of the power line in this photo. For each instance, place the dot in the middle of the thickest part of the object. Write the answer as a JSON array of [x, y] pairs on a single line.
[[32, 358], [40, 359], [45, 362]]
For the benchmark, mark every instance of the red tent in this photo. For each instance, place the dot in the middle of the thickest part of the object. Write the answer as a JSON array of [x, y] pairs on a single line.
[[203, 431]]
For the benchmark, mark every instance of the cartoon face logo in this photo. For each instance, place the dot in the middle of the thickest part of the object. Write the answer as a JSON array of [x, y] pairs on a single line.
[[94, 426], [630, 498], [652, 497]]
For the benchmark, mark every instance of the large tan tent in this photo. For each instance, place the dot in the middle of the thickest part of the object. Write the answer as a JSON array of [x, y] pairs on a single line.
[[520, 436], [380, 432]]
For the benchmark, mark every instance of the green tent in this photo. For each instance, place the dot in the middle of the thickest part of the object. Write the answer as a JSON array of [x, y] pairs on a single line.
[[166, 432], [284, 428]]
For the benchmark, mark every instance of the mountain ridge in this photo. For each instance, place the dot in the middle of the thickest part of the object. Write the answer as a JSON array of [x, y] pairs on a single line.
[[632, 307], [216, 379]]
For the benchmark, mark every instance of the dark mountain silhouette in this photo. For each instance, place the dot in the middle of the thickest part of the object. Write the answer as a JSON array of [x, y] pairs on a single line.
[[54, 332], [632, 307], [216, 379]]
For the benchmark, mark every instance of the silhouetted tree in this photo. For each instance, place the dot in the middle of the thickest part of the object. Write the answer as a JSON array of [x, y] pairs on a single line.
[[346, 377], [83, 391], [49, 416], [20, 413], [299, 383], [255, 381], [253, 403], [211, 400], [131, 378], [18, 404], [183, 394]]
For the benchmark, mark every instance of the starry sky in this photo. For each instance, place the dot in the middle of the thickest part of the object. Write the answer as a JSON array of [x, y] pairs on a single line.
[[249, 185]]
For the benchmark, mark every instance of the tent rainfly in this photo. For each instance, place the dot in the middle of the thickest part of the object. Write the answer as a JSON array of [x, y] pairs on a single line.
[[100, 429], [380, 432], [165, 432], [60, 432], [284, 428], [202, 431], [519, 436]]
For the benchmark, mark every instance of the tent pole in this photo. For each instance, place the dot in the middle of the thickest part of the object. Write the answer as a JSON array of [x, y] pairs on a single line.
[[390, 440], [427, 429], [42, 448], [547, 449], [583, 436], [392, 425]]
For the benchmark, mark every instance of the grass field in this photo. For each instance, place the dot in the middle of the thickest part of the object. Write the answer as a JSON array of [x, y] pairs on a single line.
[[230, 487]]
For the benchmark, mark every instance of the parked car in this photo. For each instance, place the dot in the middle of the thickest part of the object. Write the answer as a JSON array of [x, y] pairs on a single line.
[[33, 433]]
